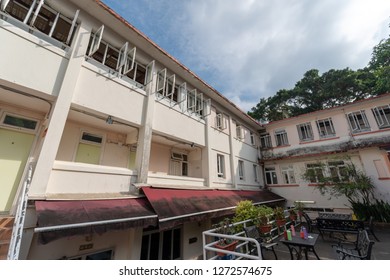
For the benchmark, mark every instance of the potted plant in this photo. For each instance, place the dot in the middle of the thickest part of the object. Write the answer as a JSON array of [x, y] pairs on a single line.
[[299, 206], [245, 211], [225, 227], [279, 216], [292, 214], [263, 214]]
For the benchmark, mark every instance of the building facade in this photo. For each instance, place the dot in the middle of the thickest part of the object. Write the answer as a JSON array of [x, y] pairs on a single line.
[[103, 127], [357, 133]]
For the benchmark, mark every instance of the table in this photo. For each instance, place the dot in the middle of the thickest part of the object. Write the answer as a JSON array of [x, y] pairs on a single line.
[[300, 245]]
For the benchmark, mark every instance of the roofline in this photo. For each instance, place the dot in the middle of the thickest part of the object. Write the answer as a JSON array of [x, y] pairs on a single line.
[[185, 68], [330, 109]]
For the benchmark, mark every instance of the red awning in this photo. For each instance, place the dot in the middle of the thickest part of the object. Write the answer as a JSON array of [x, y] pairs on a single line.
[[57, 219], [175, 206]]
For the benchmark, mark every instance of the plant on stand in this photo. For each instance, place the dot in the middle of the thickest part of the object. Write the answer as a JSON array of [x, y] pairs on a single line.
[[280, 216], [225, 227], [263, 214]]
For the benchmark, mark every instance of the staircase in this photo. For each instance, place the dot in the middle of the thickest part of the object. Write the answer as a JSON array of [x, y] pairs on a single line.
[[6, 224]]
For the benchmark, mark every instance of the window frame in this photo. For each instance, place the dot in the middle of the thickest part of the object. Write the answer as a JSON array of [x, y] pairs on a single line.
[[316, 167], [241, 170], [281, 137], [220, 166], [17, 127], [239, 131], [256, 173], [384, 121], [220, 121], [305, 128], [323, 122], [265, 140], [353, 120], [288, 174], [271, 171]]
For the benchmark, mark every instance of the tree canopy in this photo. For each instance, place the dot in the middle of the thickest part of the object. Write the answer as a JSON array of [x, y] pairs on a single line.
[[317, 91]]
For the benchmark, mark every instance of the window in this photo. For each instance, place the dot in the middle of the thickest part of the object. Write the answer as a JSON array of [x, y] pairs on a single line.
[[265, 141], [288, 174], [241, 170], [165, 245], [220, 166], [39, 16], [103, 255], [281, 137], [315, 172], [382, 116], [239, 132], [19, 122], [270, 176], [325, 128], [252, 138], [305, 132], [338, 171], [179, 164], [358, 121], [220, 121], [120, 60], [255, 172]]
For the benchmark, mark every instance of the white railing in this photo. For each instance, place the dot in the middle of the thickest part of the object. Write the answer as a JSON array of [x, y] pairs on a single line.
[[20, 215], [242, 251]]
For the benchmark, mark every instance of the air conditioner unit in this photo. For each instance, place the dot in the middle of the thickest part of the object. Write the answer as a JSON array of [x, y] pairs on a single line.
[[132, 138]]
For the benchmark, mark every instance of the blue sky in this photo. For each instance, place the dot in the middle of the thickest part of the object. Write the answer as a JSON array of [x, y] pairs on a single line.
[[248, 49]]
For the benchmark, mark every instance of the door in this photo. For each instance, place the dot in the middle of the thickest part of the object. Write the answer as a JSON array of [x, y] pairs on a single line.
[[14, 151]]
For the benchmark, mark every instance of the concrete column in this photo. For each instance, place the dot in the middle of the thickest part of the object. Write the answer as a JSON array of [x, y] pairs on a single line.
[[59, 114], [145, 132], [233, 164], [207, 160]]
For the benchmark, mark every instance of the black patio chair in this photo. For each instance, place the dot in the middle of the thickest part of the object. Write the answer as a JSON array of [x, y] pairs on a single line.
[[253, 232], [311, 224], [369, 227]]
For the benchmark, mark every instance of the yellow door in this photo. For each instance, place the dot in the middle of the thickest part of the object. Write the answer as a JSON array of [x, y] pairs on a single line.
[[88, 153], [14, 150]]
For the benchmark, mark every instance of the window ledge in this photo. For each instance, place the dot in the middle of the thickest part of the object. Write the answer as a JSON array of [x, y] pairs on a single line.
[[283, 185], [384, 178], [283, 146], [319, 140], [371, 132]]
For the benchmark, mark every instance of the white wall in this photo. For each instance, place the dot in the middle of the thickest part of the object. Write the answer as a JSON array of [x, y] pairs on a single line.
[[29, 61]]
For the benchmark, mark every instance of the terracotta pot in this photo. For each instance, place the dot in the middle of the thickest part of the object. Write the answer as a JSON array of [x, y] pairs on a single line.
[[265, 228], [281, 222], [293, 217], [227, 247]]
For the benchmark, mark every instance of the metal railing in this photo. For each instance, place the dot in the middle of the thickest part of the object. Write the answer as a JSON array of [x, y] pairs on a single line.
[[246, 246]]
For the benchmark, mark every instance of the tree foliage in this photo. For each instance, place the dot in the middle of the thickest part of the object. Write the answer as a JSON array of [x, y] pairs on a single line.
[[317, 91]]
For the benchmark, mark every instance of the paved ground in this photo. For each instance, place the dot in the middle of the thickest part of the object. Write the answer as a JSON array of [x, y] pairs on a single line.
[[323, 247]]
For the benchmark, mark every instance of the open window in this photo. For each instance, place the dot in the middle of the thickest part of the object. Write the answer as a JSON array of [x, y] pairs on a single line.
[[382, 116], [182, 96], [191, 100], [96, 40], [239, 132], [149, 72], [37, 16], [358, 121], [207, 107], [161, 81], [126, 59], [220, 121], [170, 88]]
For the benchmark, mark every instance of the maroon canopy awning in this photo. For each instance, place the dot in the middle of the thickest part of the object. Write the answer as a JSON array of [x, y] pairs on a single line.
[[176, 206], [57, 219]]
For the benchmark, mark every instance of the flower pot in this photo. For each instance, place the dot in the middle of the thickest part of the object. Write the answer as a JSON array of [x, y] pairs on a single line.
[[227, 247], [281, 222], [265, 228], [293, 217]]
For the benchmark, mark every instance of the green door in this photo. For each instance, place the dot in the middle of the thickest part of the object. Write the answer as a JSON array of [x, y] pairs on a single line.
[[14, 151]]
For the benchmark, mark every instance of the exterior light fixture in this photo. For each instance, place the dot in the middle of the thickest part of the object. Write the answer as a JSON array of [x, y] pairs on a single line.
[[109, 120]]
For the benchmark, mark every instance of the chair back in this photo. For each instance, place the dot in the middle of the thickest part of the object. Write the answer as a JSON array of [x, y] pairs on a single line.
[[252, 232]]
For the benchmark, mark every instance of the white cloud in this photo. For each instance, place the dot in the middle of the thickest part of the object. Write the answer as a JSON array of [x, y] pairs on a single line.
[[250, 49]]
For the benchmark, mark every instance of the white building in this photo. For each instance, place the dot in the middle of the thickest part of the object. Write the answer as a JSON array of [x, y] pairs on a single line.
[[358, 132], [127, 154]]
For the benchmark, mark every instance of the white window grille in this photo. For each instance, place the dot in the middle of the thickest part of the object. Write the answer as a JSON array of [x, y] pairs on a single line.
[[338, 171], [241, 171], [326, 128], [382, 116], [255, 173], [220, 121], [305, 132], [220, 166], [265, 141], [270, 176], [281, 137], [288, 174], [358, 121], [315, 172]]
